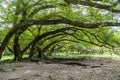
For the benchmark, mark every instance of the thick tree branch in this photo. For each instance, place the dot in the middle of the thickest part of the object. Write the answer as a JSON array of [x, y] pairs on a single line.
[[42, 7], [72, 22], [93, 4], [104, 43], [45, 35], [28, 23], [51, 37], [86, 41]]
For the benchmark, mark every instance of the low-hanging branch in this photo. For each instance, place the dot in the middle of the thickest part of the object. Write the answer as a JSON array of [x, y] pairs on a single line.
[[51, 37], [72, 22], [90, 42], [39, 37], [103, 43], [62, 20]]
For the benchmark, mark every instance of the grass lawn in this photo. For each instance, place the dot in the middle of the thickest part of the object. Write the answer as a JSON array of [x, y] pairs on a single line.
[[6, 57], [113, 56]]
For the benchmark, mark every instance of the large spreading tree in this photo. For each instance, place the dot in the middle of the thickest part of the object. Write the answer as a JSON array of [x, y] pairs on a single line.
[[53, 20]]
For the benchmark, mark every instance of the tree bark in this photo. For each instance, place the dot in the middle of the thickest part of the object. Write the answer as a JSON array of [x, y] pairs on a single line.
[[17, 51], [49, 22], [6, 41], [10, 35], [39, 52], [40, 37], [93, 4], [32, 51], [16, 48]]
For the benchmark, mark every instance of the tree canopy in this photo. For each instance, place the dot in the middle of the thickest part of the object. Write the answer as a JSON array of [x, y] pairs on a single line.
[[48, 25]]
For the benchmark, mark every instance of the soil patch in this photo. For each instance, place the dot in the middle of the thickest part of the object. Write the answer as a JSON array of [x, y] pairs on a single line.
[[62, 69]]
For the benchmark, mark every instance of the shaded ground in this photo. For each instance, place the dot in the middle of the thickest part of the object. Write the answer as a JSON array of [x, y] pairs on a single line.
[[87, 69]]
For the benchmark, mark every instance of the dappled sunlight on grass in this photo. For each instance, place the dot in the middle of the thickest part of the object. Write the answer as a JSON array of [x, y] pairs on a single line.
[[74, 55], [107, 55], [6, 57]]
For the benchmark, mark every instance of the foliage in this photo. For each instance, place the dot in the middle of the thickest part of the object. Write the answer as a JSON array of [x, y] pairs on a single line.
[[44, 26]]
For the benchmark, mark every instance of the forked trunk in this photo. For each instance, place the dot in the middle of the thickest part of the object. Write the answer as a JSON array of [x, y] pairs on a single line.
[[6, 41]]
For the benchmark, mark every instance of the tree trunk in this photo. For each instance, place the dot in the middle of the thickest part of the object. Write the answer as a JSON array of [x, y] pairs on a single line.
[[39, 52], [17, 57], [17, 51], [32, 51], [16, 47], [10, 35], [6, 40]]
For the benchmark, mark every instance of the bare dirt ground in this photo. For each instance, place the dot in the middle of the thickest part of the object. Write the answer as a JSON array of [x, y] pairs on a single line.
[[87, 69]]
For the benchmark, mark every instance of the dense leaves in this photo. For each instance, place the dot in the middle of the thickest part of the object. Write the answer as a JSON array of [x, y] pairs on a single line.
[[44, 26]]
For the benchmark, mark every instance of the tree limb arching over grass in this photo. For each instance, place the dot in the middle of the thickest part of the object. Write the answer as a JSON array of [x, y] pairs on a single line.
[[27, 18]]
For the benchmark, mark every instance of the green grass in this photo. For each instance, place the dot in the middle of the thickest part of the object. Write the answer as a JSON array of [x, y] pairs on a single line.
[[113, 56], [6, 57], [105, 55]]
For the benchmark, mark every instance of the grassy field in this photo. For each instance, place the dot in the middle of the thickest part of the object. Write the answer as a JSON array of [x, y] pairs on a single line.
[[105, 55], [113, 56], [6, 57]]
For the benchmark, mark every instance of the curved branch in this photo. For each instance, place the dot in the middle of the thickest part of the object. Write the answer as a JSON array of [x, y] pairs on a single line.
[[39, 37], [71, 22], [41, 7], [93, 4], [86, 41], [104, 43], [51, 37]]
